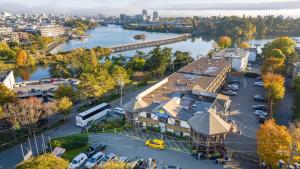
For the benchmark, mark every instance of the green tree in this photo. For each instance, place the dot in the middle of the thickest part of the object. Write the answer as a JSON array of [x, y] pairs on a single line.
[[64, 91], [6, 53], [46, 161], [224, 42], [136, 63], [7, 95], [64, 105], [159, 61], [181, 59]]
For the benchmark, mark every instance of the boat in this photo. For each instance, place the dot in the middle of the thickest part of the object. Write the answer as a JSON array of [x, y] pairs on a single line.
[[139, 37]]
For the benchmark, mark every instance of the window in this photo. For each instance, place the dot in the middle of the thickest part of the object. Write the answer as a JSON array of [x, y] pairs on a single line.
[[148, 115], [96, 112], [163, 120]]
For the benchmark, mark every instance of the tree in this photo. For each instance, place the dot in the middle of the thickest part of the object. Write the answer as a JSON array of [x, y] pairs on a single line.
[[136, 63], [96, 83], [46, 161], [114, 165], [120, 75], [274, 84], [224, 42], [244, 45], [277, 53], [273, 143], [7, 95], [273, 65], [64, 105], [159, 61], [181, 59], [285, 44], [22, 57], [64, 91]]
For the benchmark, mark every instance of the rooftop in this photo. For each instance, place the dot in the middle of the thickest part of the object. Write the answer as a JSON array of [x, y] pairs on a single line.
[[231, 53]]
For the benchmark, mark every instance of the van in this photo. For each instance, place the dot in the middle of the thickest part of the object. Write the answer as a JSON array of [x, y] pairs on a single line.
[[78, 161], [93, 161]]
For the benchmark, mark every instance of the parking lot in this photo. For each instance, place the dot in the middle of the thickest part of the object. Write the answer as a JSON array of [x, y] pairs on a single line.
[[241, 106], [132, 147]]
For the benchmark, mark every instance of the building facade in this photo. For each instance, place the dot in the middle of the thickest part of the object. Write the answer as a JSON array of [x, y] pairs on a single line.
[[7, 79], [5, 30], [51, 30]]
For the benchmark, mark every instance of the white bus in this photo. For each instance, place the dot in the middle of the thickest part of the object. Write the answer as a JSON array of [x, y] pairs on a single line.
[[92, 114]]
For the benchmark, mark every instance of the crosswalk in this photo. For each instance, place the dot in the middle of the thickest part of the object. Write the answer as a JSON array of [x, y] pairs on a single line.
[[171, 142]]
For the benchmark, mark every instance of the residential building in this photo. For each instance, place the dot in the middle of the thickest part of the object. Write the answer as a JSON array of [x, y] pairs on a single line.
[[7, 79], [5, 30], [175, 104], [51, 30], [144, 12], [237, 56], [155, 16]]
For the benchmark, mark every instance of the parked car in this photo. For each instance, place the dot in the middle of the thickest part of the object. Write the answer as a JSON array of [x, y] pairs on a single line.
[[119, 110], [261, 119], [93, 149], [78, 161], [124, 159], [232, 86], [156, 143], [259, 107], [229, 92], [109, 157], [260, 112], [234, 82], [229, 88], [94, 160], [137, 163], [252, 75], [259, 98], [260, 83]]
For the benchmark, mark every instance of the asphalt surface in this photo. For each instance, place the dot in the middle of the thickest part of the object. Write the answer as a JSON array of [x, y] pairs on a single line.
[[9, 158]]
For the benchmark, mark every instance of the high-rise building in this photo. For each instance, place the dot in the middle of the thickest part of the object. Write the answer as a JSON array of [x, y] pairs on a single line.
[[144, 12], [155, 16]]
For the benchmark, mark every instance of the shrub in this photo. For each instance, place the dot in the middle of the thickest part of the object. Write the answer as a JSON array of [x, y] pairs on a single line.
[[70, 142]]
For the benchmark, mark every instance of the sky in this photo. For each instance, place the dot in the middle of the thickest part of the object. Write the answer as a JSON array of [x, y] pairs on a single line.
[[164, 7]]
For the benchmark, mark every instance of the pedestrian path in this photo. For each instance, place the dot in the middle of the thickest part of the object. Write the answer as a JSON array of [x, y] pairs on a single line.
[[172, 143]]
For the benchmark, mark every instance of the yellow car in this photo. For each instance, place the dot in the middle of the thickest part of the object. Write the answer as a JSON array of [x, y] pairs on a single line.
[[156, 143]]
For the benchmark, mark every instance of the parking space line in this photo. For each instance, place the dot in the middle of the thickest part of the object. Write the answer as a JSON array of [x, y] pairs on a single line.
[[182, 146], [169, 144]]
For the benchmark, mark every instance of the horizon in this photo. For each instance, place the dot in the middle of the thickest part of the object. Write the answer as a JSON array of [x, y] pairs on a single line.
[[166, 8]]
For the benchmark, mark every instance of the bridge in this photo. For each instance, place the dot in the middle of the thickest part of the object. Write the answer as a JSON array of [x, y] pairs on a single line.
[[149, 43]]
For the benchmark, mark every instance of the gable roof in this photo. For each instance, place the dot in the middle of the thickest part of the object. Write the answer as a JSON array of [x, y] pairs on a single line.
[[209, 123]]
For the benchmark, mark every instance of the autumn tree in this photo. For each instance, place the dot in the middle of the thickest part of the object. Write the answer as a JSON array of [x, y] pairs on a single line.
[[273, 65], [114, 165], [244, 45], [64, 91], [224, 42], [273, 143], [7, 95], [46, 161], [21, 59], [274, 84], [64, 105]]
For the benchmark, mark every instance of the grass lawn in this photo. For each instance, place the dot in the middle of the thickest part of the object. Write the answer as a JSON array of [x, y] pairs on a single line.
[[70, 154]]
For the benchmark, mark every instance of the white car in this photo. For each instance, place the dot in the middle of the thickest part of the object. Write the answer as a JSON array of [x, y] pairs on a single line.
[[78, 161], [119, 110], [94, 160], [124, 159], [232, 86], [259, 84], [259, 113], [109, 157]]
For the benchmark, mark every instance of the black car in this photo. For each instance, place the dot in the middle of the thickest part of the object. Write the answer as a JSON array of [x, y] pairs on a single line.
[[252, 75], [259, 98], [259, 107], [137, 163], [229, 92], [93, 149]]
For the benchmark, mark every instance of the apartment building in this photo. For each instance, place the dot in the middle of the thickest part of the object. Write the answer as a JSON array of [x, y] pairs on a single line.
[[51, 30], [5, 30]]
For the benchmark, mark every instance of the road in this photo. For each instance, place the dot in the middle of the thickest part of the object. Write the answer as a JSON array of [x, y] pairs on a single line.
[[12, 156]]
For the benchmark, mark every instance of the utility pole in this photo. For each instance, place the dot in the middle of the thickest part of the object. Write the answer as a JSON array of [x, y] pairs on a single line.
[[36, 146], [29, 144], [22, 152], [121, 93], [44, 145], [50, 143]]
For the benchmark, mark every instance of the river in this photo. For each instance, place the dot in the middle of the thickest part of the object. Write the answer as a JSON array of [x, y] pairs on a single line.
[[110, 35]]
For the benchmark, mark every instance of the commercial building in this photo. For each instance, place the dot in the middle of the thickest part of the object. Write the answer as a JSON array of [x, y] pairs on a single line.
[[185, 104], [155, 16], [51, 30], [7, 79], [238, 57], [5, 30]]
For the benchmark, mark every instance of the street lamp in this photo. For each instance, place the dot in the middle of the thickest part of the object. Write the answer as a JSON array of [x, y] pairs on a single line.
[[121, 83]]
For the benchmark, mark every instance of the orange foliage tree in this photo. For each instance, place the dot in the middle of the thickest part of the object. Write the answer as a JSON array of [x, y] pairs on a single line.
[[244, 45], [21, 59], [273, 65], [274, 84], [224, 42], [273, 143]]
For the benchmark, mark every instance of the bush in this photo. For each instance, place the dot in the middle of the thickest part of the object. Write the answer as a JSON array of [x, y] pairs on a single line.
[[70, 142], [46, 161]]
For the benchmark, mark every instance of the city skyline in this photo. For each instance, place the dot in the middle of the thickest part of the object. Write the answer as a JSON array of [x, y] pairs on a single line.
[[165, 8]]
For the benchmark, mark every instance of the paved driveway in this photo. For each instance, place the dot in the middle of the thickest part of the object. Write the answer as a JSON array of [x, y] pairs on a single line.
[[241, 106]]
